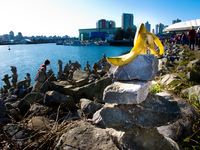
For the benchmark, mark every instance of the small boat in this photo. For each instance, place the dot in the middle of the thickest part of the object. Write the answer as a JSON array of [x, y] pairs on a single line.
[[77, 43], [104, 43], [66, 44], [92, 44], [59, 43]]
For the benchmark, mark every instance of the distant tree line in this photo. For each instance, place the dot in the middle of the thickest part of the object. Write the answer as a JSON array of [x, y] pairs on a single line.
[[122, 34]]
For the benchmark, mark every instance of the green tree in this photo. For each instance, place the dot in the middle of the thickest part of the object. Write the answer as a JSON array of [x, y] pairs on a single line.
[[129, 34], [119, 34]]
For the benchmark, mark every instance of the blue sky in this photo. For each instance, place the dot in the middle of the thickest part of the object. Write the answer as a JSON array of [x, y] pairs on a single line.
[[65, 17]]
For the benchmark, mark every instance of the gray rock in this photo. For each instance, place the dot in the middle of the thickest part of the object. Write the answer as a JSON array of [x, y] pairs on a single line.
[[41, 87], [11, 99], [142, 139], [194, 63], [127, 92], [2, 109], [80, 74], [38, 109], [4, 121], [81, 82], [28, 100], [143, 67], [89, 91], [155, 111], [193, 93], [89, 107], [59, 85], [180, 68], [20, 137], [167, 79], [182, 128], [193, 76], [12, 129], [53, 98], [39, 123], [83, 135]]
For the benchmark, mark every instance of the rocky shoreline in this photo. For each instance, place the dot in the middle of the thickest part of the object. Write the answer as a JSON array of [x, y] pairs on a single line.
[[98, 107]]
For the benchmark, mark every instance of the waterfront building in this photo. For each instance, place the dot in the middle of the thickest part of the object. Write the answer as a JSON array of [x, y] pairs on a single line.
[[11, 34], [159, 28], [148, 26], [127, 21], [19, 37], [105, 24], [97, 33], [176, 21], [6, 37]]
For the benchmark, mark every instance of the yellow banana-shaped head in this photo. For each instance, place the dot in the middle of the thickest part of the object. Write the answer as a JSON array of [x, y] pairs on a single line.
[[140, 46]]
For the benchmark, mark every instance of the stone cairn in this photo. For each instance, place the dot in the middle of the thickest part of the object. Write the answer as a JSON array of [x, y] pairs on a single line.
[[129, 108]]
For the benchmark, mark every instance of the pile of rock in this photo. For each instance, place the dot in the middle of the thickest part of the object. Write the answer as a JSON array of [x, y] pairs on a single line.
[[132, 110]]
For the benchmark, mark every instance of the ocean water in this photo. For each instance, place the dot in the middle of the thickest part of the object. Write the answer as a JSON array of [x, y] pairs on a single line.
[[28, 58]]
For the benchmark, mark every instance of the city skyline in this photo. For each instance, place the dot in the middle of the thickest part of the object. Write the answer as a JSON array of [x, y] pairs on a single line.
[[64, 17]]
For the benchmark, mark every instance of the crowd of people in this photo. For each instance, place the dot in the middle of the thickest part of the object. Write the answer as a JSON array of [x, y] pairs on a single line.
[[192, 38]]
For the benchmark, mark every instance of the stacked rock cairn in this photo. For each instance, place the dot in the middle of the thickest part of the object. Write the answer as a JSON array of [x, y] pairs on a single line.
[[129, 108]]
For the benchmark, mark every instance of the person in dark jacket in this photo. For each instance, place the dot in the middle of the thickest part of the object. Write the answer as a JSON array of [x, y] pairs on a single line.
[[183, 38], [198, 38], [192, 35]]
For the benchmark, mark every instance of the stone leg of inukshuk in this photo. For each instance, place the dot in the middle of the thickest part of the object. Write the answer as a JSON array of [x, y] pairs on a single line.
[[131, 109]]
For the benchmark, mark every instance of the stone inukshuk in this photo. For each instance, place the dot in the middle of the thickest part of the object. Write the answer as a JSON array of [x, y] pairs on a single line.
[[14, 75], [129, 106]]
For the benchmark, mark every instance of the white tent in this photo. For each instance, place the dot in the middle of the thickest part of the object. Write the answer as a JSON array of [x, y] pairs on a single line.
[[183, 26]]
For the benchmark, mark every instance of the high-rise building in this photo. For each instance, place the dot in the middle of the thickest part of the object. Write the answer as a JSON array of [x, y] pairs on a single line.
[[111, 24], [11, 34], [159, 28], [176, 21], [127, 21], [105, 24], [148, 26]]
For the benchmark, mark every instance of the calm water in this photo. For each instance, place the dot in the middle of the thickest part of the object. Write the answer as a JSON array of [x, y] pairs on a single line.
[[28, 58]]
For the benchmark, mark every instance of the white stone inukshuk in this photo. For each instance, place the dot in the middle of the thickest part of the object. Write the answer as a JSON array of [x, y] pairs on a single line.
[[128, 104]]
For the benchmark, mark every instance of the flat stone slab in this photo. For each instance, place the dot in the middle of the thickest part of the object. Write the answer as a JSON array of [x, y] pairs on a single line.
[[127, 92], [143, 67], [155, 111]]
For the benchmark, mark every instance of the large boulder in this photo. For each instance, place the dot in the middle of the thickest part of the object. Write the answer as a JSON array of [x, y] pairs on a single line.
[[143, 67], [155, 111], [182, 128], [127, 92], [28, 100], [83, 135], [81, 77], [59, 85], [90, 91], [53, 98], [41, 87], [89, 107], [142, 139]]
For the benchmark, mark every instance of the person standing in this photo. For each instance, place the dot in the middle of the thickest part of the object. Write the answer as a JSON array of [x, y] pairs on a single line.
[[183, 38], [198, 38], [191, 34]]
